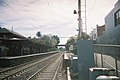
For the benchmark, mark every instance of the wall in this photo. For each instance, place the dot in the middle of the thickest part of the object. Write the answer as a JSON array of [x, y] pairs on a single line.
[[109, 19]]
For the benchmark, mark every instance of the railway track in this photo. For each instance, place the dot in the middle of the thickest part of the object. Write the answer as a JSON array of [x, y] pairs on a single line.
[[51, 71], [25, 71], [4, 70]]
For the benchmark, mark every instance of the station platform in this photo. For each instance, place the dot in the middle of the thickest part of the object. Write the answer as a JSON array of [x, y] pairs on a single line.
[[17, 60]]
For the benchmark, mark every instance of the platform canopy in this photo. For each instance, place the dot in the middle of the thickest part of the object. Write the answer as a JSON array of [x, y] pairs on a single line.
[[9, 34]]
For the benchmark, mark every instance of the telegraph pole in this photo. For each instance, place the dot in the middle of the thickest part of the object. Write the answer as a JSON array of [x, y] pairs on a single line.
[[80, 27], [79, 18], [85, 19]]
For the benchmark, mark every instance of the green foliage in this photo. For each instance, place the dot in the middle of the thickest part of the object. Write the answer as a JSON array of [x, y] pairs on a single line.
[[38, 34], [55, 40], [51, 40], [84, 36], [46, 39], [61, 49], [72, 41]]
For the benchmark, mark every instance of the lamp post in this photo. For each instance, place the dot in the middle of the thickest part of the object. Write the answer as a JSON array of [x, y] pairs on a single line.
[[79, 18]]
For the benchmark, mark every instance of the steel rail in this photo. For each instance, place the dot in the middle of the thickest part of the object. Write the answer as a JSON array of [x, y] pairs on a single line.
[[56, 72], [33, 77], [3, 70], [24, 68]]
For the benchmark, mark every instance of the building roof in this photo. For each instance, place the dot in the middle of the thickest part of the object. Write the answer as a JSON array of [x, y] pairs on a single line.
[[6, 33]]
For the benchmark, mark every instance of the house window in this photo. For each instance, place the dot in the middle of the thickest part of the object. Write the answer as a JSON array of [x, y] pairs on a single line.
[[117, 18]]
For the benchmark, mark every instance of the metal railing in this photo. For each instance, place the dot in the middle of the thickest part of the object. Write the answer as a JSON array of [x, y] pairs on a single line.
[[111, 50]]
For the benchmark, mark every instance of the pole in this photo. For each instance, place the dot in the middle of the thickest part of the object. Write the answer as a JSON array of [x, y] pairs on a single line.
[[12, 28], [79, 18], [101, 60], [116, 64], [85, 19]]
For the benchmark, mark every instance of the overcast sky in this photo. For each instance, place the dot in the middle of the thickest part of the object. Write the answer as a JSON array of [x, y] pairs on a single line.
[[51, 16]]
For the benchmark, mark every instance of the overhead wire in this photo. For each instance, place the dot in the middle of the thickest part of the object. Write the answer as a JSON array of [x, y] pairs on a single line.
[[50, 5], [22, 17], [50, 9], [92, 8], [22, 7], [16, 12], [29, 15], [59, 15], [12, 9]]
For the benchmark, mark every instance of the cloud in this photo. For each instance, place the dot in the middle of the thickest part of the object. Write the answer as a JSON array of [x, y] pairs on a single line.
[[2, 24], [48, 16]]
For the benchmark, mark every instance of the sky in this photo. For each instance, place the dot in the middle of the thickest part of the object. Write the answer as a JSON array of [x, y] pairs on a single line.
[[55, 17]]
